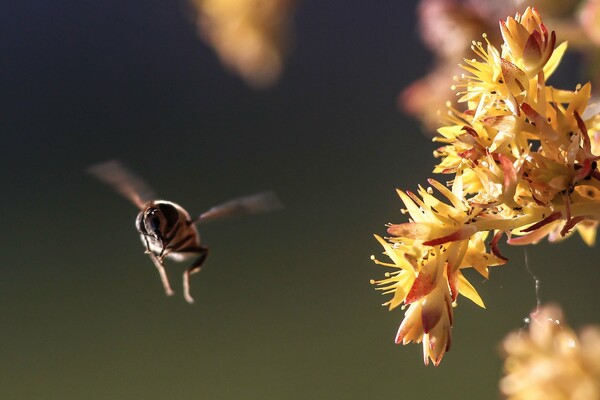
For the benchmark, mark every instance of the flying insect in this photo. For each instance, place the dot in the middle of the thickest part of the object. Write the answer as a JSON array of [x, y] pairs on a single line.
[[166, 228]]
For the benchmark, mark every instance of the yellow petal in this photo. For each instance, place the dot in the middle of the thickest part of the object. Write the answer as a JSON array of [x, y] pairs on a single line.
[[580, 100], [515, 78], [415, 213], [587, 233], [554, 59], [456, 201], [405, 281], [401, 262], [466, 289]]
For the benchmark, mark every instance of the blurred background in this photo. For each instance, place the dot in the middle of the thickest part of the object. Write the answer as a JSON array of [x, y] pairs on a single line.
[[284, 308]]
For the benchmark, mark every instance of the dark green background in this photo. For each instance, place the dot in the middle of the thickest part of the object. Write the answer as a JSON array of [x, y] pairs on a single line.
[[284, 306]]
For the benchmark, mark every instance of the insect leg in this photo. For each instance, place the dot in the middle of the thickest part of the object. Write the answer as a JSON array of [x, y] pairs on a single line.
[[194, 268], [163, 275]]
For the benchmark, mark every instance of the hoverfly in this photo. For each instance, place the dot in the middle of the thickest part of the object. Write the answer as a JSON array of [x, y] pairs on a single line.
[[166, 229]]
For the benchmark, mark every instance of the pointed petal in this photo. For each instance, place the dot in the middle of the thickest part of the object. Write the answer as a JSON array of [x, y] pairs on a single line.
[[415, 213], [432, 309], [532, 237], [494, 246], [456, 202], [405, 281], [580, 101], [588, 232], [399, 261], [509, 185], [413, 230], [554, 60], [410, 329], [532, 52], [424, 283], [453, 282], [466, 289], [550, 218], [515, 78], [503, 123], [463, 233]]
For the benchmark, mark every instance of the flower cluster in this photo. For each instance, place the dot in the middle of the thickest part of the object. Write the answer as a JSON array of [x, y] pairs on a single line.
[[250, 36], [522, 161], [549, 361], [446, 27]]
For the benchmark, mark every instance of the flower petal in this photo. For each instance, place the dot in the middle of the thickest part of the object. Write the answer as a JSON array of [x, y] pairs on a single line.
[[554, 60], [466, 289]]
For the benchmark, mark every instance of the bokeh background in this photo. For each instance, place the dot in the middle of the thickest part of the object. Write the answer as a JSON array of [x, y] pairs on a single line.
[[284, 308]]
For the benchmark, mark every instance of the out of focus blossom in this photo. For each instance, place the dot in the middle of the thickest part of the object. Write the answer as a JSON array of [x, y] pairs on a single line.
[[251, 37], [549, 361], [448, 26], [589, 17]]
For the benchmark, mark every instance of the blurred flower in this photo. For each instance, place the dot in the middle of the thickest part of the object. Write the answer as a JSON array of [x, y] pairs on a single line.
[[447, 27], [549, 361], [589, 17], [250, 36], [523, 164]]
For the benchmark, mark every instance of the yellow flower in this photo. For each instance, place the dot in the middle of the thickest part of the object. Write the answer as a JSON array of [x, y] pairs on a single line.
[[523, 164], [549, 361], [526, 39], [427, 273]]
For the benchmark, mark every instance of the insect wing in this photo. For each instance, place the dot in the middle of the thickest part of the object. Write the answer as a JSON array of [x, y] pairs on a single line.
[[253, 204], [115, 174]]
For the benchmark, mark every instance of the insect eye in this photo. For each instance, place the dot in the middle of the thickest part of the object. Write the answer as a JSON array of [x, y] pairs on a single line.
[[151, 221], [154, 222], [170, 213], [139, 223]]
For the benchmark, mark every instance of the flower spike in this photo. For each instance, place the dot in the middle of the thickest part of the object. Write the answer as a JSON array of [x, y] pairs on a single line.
[[523, 162]]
